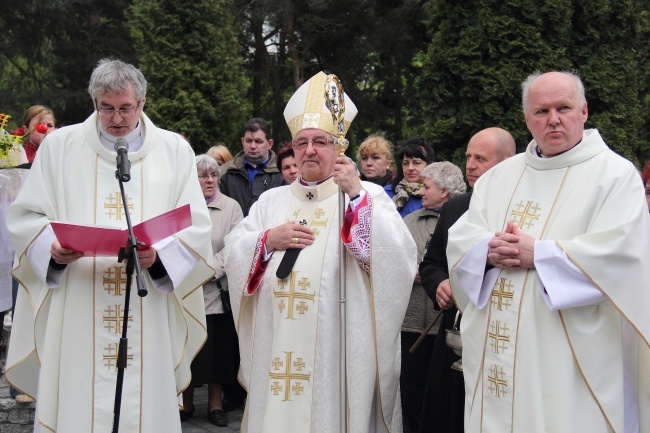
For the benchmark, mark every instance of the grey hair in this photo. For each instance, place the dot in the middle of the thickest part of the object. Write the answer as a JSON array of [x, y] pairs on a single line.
[[116, 75], [528, 82], [447, 176], [206, 163]]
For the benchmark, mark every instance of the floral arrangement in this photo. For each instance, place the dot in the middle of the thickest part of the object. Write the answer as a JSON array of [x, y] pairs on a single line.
[[10, 180], [10, 141]]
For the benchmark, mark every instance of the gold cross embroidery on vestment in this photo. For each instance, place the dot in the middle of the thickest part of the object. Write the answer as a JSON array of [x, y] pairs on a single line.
[[292, 295], [114, 281], [502, 294], [498, 384], [114, 209], [110, 356], [526, 214], [318, 221], [287, 376], [114, 317], [499, 336]]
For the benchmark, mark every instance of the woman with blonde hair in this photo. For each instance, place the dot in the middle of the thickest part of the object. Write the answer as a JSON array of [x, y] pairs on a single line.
[[220, 153], [375, 158]]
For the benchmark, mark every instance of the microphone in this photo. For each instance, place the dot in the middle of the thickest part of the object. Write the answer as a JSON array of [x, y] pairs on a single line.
[[123, 171]]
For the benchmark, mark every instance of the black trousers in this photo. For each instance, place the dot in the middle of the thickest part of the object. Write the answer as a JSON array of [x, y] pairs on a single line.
[[443, 405], [413, 378]]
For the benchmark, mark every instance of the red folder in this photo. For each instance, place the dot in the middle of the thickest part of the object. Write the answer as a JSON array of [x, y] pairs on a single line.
[[96, 241]]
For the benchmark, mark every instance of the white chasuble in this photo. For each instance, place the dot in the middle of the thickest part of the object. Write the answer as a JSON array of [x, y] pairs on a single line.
[[63, 348], [294, 380], [109, 285], [295, 316], [532, 368], [529, 210]]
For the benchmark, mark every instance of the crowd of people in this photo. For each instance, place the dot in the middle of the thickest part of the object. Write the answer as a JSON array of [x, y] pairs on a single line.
[[543, 267]]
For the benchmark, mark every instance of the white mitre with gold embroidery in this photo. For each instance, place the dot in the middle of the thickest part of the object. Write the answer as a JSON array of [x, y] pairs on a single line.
[[307, 109]]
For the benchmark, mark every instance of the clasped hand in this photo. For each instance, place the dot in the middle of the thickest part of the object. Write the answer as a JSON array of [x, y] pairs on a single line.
[[511, 248]]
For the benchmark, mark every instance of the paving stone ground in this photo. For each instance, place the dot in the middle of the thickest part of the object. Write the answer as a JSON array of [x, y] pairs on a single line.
[[199, 422], [19, 418]]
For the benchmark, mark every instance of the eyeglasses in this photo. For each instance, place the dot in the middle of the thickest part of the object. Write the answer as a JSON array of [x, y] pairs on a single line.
[[123, 112], [318, 142], [205, 176]]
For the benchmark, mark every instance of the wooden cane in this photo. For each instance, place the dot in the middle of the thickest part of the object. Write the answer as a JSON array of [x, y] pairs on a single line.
[[425, 332]]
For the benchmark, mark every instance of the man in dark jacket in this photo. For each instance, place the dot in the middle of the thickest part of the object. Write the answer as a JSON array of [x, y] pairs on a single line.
[[444, 395], [254, 169]]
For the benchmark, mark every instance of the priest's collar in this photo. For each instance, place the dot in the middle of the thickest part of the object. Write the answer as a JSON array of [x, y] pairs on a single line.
[[314, 191], [318, 182], [134, 138], [590, 145], [539, 151]]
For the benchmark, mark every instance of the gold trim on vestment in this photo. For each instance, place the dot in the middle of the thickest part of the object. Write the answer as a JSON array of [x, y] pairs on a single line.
[[293, 360], [584, 379]]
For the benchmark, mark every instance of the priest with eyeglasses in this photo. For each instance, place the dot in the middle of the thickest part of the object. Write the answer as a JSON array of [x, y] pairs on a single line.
[[70, 307], [287, 312]]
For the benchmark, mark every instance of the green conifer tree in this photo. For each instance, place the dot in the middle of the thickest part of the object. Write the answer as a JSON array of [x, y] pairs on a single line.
[[189, 53], [481, 51]]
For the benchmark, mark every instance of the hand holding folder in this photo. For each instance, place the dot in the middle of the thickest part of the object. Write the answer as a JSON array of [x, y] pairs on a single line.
[[96, 241]]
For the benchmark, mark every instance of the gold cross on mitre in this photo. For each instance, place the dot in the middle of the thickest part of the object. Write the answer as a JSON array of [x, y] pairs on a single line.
[[320, 103]]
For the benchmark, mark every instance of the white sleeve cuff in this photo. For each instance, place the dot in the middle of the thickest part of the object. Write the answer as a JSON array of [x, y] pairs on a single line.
[[354, 204], [563, 285], [39, 257], [475, 282], [178, 262]]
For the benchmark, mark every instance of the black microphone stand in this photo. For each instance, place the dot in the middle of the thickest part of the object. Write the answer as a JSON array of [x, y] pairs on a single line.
[[130, 253]]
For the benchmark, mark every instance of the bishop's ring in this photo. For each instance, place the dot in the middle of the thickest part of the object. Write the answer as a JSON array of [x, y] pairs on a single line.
[[294, 240]]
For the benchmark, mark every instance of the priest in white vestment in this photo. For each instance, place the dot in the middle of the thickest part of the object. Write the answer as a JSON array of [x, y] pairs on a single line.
[[68, 318], [288, 327], [551, 268]]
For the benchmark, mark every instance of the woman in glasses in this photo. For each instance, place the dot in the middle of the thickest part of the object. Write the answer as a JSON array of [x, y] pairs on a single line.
[[218, 361]]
